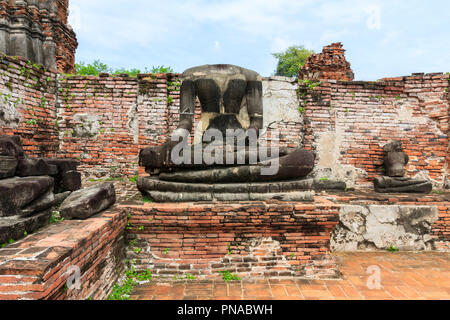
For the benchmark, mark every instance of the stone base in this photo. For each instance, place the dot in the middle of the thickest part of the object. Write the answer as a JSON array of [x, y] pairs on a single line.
[[252, 239], [402, 185], [295, 190], [378, 227]]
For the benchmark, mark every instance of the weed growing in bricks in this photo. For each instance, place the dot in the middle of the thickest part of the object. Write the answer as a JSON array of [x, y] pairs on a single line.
[[166, 251], [129, 226], [190, 277], [393, 249], [227, 276], [123, 291]]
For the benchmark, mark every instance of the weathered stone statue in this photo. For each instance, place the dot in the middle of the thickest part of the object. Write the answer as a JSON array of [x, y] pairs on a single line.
[[231, 99], [395, 162]]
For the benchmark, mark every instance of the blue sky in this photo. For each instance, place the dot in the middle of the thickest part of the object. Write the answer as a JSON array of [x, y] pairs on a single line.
[[382, 37]]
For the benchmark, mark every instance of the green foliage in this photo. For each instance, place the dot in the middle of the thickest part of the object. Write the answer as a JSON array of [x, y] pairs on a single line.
[[309, 83], [97, 67], [11, 241], [291, 60], [393, 248], [55, 218], [123, 291], [228, 276], [134, 179], [147, 200], [93, 69], [190, 277], [137, 250], [160, 69]]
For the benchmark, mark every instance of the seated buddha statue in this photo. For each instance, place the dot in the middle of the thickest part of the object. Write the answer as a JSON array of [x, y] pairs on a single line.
[[232, 104]]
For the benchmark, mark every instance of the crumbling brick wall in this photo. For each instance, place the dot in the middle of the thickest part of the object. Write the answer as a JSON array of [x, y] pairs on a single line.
[[105, 121], [330, 64], [348, 123], [39, 32], [28, 105]]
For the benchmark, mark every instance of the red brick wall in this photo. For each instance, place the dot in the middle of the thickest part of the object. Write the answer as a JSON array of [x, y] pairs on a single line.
[[28, 101], [135, 113], [65, 38], [110, 147], [37, 267], [203, 239], [364, 116]]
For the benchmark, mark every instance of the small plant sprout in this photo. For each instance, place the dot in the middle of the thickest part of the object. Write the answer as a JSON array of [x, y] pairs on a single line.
[[393, 248], [227, 276]]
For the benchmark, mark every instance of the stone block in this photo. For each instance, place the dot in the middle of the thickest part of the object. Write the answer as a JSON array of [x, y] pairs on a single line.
[[18, 193], [84, 203]]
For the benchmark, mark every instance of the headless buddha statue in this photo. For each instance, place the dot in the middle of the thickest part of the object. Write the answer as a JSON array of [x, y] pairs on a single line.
[[231, 99]]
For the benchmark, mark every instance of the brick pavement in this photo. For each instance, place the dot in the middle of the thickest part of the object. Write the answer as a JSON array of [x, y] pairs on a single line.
[[404, 276]]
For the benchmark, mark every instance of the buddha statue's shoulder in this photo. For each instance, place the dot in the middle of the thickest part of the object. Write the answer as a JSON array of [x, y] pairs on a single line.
[[220, 70]]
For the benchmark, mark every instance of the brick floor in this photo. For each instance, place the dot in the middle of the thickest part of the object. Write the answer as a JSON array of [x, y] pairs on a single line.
[[404, 276]]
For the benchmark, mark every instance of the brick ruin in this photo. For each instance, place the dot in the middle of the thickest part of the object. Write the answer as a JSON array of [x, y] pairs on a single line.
[[102, 123], [38, 30], [330, 64]]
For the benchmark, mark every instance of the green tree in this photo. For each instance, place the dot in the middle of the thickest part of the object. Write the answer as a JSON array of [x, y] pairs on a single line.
[[93, 69], [291, 60]]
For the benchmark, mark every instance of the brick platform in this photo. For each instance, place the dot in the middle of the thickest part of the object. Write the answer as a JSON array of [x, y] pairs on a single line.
[[403, 276], [253, 239], [37, 266]]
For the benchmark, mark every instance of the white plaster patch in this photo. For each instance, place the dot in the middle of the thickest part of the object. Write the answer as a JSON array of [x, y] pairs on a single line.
[[280, 101]]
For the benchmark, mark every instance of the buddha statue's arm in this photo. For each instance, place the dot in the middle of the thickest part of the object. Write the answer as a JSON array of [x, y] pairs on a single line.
[[255, 104], [187, 105]]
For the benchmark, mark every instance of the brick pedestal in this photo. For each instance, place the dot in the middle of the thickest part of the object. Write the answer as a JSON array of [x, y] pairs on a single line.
[[252, 239]]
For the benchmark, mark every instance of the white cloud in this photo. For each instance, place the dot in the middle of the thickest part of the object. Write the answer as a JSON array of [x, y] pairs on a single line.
[[390, 37], [217, 46], [281, 44], [184, 33]]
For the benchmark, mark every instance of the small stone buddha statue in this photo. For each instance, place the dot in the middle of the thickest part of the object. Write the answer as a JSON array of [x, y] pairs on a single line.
[[395, 162]]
